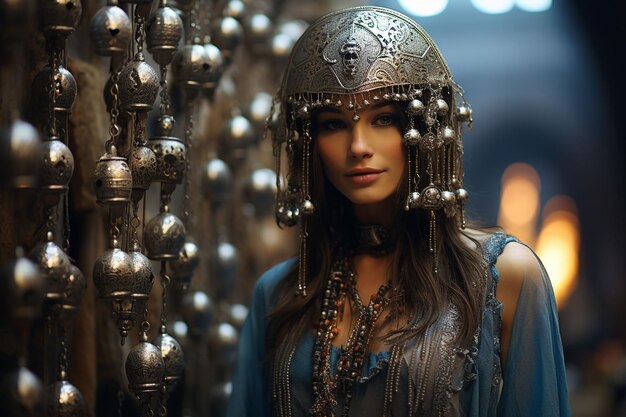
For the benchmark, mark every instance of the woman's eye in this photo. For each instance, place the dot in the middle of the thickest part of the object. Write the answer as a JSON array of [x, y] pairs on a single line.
[[386, 119], [331, 125]]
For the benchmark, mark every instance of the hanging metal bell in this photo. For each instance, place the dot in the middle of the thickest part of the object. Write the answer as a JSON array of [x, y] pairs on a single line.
[[236, 137], [59, 17], [259, 110], [144, 369], [184, 267], [163, 34], [57, 167], [211, 77], [197, 312], [54, 267], [223, 341], [258, 29], [22, 288], [189, 67], [170, 152], [226, 268], [20, 152], [164, 236], [75, 290], [235, 9], [138, 86], [144, 170], [21, 394], [260, 191], [110, 31], [112, 179], [227, 35], [173, 358], [237, 315], [65, 90], [64, 400], [217, 182], [287, 33]]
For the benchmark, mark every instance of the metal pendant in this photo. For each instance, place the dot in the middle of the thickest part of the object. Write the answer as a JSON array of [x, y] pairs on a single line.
[[217, 182], [64, 400], [173, 359], [197, 311], [144, 369], [20, 152], [112, 179], [54, 267], [164, 237], [138, 86], [170, 152], [64, 90], [227, 35], [163, 34], [59, 17], [184, 267], [110, 31], [259, 190]]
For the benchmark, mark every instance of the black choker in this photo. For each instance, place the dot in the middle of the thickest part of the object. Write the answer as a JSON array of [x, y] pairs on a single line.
[[372, 239]]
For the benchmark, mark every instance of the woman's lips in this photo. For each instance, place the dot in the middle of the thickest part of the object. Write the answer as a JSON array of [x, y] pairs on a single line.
[[363, 177]]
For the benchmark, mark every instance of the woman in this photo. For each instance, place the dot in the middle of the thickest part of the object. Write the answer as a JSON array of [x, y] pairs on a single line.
[[398, 308]]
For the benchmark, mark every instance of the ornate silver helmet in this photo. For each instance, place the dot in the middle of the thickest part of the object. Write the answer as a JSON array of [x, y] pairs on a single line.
[[356, 57]]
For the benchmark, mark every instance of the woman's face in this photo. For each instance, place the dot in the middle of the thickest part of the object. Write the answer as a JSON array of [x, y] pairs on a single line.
[[364, 160]]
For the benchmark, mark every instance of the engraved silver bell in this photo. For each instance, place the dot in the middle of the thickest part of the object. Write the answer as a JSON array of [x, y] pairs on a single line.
[[259, 190], [144, 369], [184, 267], [54, 267], [64, 400], [227, 35], [226, 260], [112, 179], [57, 167], [211, 77], [164, 236], [59, 17], [163, 33], [138, 86], [20, 152], [170, 152], [144, 170], [110, 31], [22, 288], [64, 90], [173, 358], [22, 394], [217, 182], [197, 312]]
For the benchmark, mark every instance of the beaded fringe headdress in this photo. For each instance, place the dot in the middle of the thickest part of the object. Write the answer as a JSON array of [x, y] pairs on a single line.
[[353, 58]]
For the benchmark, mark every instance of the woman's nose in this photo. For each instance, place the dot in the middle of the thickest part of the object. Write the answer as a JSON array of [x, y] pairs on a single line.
[[359, 145]]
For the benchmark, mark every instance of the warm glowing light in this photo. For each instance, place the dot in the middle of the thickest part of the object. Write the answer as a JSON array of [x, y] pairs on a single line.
[[519, 201], [534, 5], [558, 245], [424, 8], [493, 6]]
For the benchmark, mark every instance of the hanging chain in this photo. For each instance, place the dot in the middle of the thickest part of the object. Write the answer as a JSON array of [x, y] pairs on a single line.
[[63, 362], [165, 99], [115, 129], [189, 147], [54, 87], [139, 32], [165, 281]]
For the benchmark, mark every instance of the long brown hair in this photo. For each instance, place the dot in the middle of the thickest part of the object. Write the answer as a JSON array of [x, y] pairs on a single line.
[[425, 294]]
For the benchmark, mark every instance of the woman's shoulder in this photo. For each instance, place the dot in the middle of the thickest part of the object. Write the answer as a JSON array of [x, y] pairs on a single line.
[[267, 282]]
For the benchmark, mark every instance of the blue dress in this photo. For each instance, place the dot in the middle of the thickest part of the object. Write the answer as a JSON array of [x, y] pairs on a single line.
[[436, 377]]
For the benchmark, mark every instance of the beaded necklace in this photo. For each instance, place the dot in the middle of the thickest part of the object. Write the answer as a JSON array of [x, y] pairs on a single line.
[[340, 285]]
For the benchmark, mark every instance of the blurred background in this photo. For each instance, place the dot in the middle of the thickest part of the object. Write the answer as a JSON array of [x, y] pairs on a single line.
[[543, 159]]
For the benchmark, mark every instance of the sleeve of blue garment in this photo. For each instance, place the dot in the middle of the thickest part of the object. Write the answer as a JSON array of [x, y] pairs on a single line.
[[534, 376], [251, 395]]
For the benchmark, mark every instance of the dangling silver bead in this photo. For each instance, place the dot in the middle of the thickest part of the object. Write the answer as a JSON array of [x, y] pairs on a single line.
[[197, 312], [258, 30], [415, 107], [59, 17], [307, 207], [217, 182], [173, 359], [20, 153], [442, 107], [412, 137], [144, 170], [110, 31], [235, 9], [304, 112], [430, 198], [164, 237], [236, 137], [188, 68], [64, 400], [112, 179], [238, 314], [226, 268], [144, 369], [461, 195], [170, 152], [259, 110], [77, 285], [138, 86], [163, 33], [185, 265], [448, 135], [448, 198], [414, 200], [227, 35], [65, 90], [464, 113]]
